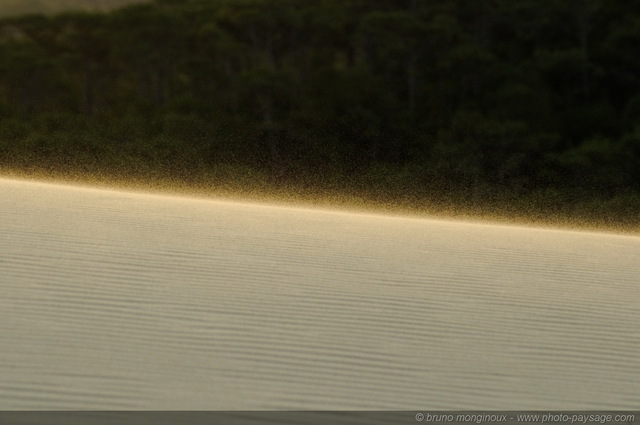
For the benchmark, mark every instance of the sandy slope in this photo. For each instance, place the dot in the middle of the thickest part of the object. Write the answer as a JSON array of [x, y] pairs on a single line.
[[113, 300]]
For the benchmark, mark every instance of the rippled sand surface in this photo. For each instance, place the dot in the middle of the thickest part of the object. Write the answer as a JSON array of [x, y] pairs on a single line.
[[115, 300]]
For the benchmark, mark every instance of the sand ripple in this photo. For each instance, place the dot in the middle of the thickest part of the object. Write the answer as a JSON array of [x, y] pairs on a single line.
[[113, 300]]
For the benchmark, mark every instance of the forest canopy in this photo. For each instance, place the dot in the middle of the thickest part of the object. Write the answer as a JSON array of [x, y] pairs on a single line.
[[532, 102]]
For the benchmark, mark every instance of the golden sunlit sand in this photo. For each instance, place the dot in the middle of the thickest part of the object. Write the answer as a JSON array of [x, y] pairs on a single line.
[[320, 200], [115, 299]]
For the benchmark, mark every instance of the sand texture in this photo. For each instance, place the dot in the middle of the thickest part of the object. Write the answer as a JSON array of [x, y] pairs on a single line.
[[115, 300]]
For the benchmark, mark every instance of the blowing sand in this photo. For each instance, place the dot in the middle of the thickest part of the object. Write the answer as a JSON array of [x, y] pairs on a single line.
[[116, 300]]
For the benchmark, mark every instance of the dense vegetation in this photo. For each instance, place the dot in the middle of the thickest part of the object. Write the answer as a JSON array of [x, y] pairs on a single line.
[[488, 103]]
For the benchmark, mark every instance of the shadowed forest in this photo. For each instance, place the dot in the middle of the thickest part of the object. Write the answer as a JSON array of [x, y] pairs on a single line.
[[499, 106]]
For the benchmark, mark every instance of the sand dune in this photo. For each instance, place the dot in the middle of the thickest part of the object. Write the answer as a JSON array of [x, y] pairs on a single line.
[[115, 300]]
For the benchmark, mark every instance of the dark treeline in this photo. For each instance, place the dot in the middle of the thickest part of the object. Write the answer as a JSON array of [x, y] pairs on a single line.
[[503, 100]]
